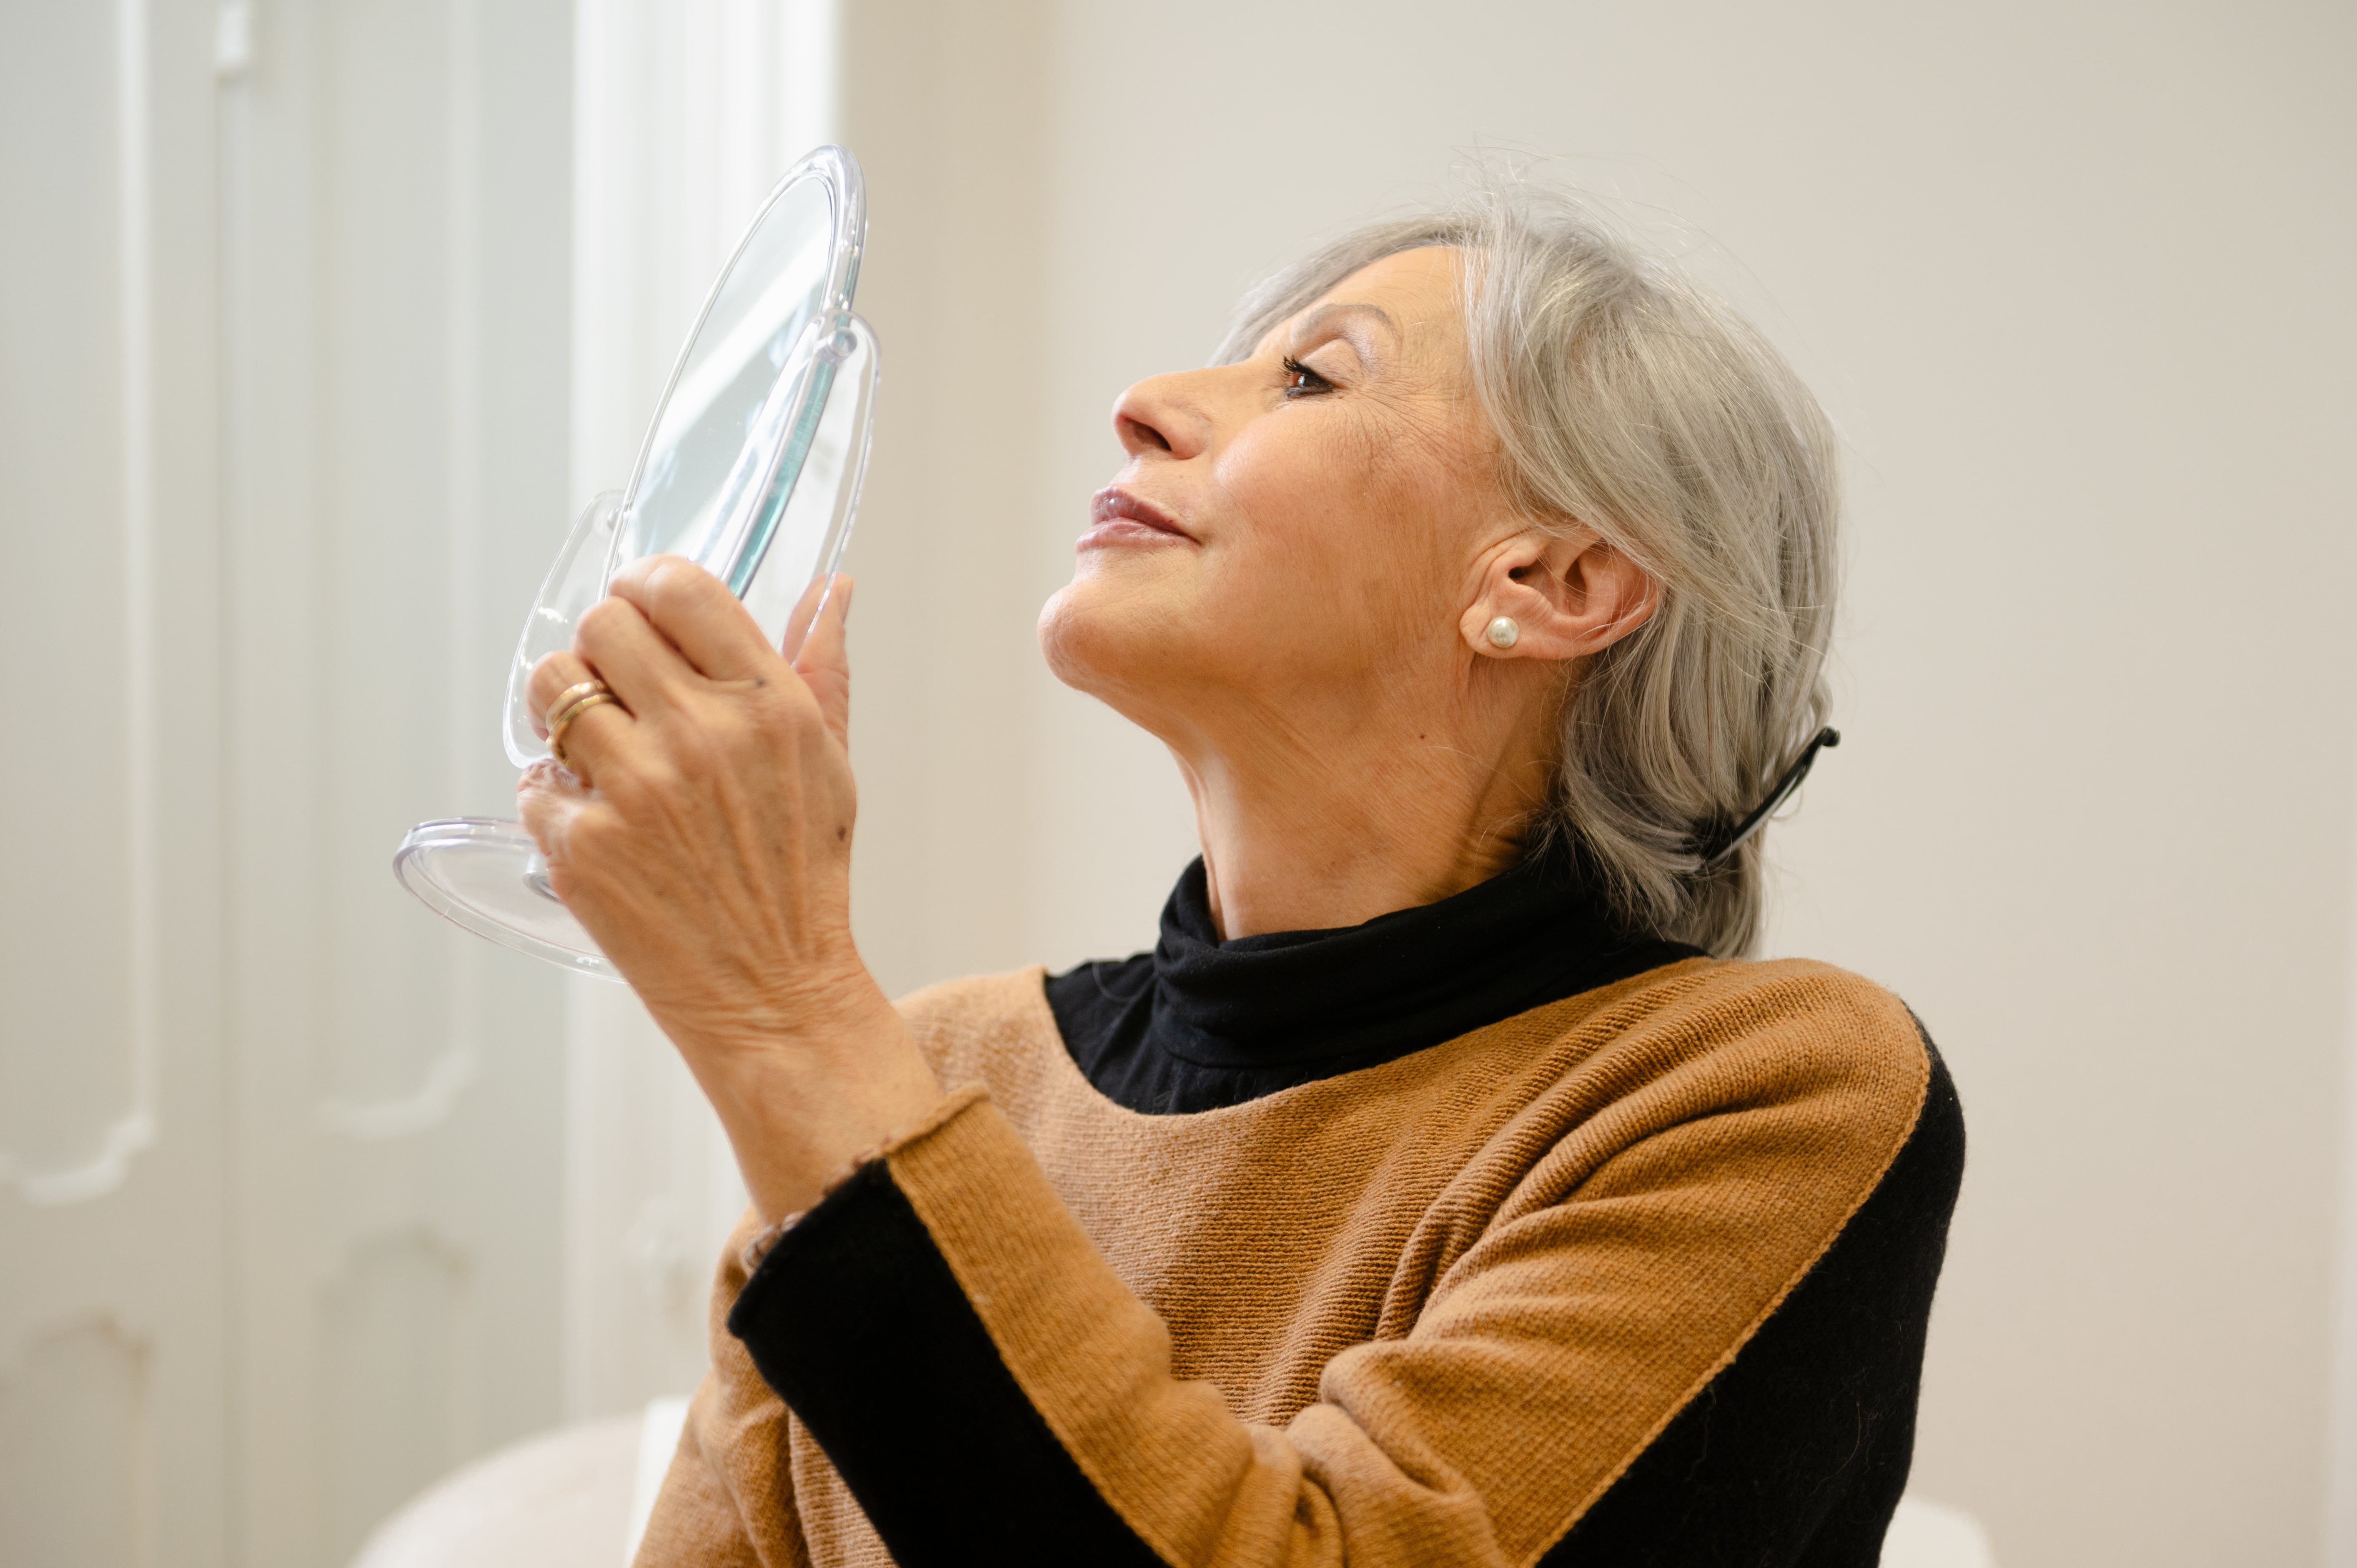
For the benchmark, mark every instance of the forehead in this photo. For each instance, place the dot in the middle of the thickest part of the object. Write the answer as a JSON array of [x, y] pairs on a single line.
[[1407, 302]]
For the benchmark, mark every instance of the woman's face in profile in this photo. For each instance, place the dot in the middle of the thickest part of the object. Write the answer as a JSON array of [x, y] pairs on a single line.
[[1308, 520]]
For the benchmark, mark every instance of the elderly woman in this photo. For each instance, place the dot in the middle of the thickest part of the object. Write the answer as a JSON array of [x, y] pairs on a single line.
[[1443, 1187]]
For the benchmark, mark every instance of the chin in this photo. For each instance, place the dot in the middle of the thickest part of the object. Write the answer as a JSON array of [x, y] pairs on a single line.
[[1098, 638], [1071, 635]]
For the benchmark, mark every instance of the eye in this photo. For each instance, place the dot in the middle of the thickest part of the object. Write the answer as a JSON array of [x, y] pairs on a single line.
[[1303, 381]]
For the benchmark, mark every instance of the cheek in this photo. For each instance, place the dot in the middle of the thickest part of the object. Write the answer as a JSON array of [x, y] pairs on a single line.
[[1335, 536], [1330, 556], [1283, 473]]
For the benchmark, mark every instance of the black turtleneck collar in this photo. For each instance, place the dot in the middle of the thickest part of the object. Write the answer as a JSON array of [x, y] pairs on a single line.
[[1199, 1023]]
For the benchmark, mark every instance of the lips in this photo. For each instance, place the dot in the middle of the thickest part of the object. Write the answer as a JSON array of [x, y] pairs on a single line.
[[1114, 510]]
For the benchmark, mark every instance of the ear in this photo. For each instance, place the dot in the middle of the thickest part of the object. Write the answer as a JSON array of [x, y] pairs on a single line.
[[1567, 597]]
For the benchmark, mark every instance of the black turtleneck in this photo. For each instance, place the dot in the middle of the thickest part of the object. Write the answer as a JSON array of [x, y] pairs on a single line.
[[1201, 1023]]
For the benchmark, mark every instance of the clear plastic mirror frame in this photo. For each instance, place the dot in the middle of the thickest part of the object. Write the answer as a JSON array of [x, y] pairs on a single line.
[[751, 468], [749, 415]]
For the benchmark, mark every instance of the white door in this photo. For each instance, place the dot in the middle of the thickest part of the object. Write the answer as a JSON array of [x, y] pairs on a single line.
[[394, 199], [113, 1376], [317, 321], [283, 422]]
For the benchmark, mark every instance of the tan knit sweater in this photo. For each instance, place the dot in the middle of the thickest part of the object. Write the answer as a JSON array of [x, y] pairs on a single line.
[[1428, 1312]]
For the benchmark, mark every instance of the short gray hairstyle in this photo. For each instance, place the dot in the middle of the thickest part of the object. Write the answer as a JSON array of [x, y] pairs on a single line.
[[1628, 399]]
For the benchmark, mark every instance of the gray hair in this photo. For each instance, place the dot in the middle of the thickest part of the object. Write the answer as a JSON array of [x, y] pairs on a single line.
[[1627, 398]]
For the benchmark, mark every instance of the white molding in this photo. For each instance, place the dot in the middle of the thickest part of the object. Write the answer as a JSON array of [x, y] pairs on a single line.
[[123, 1141], [810, 42], [454, 1069], [233, 40], [139, 1349], [462, 368], [340, 1284], [15, 1351], [136, 1130], [445, 1080]]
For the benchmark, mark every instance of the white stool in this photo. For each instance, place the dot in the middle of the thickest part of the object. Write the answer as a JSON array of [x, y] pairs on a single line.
[[574, 1497], [1926, 1534], [578, 1497]]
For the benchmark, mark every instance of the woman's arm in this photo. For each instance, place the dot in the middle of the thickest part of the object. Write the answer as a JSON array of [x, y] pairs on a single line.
[[705, 843]]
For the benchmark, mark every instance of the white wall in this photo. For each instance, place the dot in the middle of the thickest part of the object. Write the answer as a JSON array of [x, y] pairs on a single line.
[[2073, 279]]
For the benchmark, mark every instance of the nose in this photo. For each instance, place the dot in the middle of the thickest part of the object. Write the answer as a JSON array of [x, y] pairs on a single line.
[[1160, 414]]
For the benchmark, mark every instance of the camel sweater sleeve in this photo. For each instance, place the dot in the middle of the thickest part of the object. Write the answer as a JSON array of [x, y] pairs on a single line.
[[985, 1383], [727, 1498]]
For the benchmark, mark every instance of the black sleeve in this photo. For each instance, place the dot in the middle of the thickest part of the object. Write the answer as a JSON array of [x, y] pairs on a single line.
[[1794, 1455], [858, 1323]]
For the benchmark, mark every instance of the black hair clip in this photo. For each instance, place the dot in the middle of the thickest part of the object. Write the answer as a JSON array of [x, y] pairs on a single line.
[[1720, 845]]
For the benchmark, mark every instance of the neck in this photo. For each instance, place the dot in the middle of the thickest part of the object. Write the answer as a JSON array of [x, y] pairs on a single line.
[[1312, 830]]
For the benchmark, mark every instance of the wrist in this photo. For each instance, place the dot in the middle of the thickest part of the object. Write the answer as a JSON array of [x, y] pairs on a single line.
[[751, 1018], [802, 1109]]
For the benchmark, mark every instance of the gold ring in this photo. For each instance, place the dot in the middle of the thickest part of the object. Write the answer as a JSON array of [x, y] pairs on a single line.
[[563, 721], [567, 697]]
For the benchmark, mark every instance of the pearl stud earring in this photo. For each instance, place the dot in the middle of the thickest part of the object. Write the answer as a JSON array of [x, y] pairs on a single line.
[[1505, 633]]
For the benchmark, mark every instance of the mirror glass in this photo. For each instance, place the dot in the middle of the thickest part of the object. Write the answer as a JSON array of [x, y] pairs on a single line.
[[724, 429]]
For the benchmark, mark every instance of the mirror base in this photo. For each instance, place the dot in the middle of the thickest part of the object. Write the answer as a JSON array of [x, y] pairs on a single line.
[[486, 874]]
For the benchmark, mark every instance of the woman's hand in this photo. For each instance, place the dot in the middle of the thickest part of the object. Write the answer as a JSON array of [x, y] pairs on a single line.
[[704, 839]]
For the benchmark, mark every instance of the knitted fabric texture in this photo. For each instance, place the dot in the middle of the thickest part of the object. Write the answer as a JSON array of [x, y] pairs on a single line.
[[1428, 1312]]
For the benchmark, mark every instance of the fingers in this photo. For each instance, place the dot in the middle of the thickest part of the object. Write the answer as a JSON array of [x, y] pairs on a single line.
[[593, 732], [547, 797], [823, 662], [825, 611], [614, 643], [697, 614], [555, 674], [816, 597], [629, 655], [671, 639]]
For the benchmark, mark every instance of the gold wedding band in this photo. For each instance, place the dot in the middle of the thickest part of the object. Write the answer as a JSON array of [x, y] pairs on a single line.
[[570, 705], [567, 697]]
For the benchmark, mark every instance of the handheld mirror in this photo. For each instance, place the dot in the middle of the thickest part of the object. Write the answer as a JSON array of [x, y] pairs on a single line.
[[751, 469]]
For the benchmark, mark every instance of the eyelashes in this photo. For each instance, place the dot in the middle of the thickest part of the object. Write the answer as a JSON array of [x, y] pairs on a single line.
[[1303, 381]]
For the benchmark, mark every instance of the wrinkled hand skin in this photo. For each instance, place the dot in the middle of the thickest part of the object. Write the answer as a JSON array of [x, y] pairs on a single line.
[[704, 839]]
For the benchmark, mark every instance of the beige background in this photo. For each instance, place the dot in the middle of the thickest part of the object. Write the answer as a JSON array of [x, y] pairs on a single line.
[[2073, 280]]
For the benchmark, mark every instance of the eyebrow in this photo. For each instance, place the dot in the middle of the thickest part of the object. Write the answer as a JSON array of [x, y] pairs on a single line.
[[1318, 319]]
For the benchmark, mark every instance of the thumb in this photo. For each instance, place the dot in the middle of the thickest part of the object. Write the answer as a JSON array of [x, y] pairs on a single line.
[[823, 662]]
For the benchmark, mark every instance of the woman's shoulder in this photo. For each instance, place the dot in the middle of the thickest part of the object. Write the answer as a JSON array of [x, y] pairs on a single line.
[[1787, 1031], [1740, 1003]]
